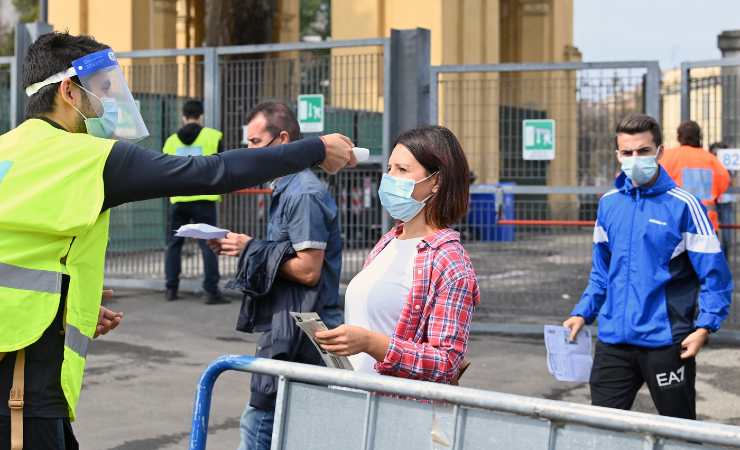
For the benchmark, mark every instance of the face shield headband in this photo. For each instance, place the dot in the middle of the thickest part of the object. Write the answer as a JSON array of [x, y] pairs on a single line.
[[56, 78]]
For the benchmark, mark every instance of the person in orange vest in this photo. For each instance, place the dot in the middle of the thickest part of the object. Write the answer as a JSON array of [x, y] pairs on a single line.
[[696, 170]]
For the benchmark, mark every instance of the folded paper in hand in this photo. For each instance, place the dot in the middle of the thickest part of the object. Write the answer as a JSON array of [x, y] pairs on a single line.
[[201, 231], [310, 323], [568, 361]]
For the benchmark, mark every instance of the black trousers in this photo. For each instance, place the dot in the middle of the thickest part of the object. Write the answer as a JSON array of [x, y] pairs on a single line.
[[620, 370], [182, 214], [40, 434]]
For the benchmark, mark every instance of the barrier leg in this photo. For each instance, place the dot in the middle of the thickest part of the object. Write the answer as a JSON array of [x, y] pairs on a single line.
[[202, 406]]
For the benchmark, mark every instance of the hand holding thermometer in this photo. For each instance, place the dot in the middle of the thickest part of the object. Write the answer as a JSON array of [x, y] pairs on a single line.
[[362, 154]]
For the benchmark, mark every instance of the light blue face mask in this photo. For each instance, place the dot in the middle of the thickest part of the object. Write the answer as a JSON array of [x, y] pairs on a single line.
[[395, 196], [640, 169], [106, 124]]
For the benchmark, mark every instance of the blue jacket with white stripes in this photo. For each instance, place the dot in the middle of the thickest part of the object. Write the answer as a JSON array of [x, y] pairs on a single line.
[[658, 272]]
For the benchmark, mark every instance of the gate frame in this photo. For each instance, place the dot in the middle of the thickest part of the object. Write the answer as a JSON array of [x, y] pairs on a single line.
[[686, 68], [212, 69], [212, 103], [652, 81]]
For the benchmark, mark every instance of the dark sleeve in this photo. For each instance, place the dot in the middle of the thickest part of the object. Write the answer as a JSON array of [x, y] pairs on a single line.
[[133, 173], [220, 146]]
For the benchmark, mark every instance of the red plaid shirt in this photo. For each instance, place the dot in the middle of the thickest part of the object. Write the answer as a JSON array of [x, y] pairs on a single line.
[[431, 336]]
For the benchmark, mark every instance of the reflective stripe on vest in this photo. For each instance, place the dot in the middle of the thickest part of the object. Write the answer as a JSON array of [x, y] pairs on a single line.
[[75, 340], [15, 277]]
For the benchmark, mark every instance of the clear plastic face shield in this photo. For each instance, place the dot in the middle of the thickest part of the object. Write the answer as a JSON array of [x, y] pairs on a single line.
[[118, 116]]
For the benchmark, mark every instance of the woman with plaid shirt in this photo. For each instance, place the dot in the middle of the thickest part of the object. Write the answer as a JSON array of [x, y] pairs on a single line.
[[408, 311]]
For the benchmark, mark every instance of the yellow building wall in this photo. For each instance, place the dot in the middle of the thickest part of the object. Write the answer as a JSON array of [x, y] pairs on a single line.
[[469, 103], [706, 104], [128, 25], [484, 32]]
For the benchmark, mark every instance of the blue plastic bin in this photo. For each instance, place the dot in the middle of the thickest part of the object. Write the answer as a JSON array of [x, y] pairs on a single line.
[[482, 216]]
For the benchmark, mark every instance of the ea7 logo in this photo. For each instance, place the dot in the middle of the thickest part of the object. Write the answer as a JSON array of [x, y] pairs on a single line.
[[670, 378]]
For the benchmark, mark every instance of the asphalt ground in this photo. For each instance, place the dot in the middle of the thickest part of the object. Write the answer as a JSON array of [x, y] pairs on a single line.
[[141, 378]]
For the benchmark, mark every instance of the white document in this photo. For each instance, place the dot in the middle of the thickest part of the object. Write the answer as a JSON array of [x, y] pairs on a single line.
[[201, 231], [310, 323], [568, 361]]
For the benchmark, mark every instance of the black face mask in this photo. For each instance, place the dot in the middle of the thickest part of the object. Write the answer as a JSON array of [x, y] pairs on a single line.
[[270, 143]]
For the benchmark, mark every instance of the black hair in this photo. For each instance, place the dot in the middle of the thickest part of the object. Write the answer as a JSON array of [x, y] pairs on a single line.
[[52, 53], [689, 133], [639, 123], [192, 109], [279, 118]]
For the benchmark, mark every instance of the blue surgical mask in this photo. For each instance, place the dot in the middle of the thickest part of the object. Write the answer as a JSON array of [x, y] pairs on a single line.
[[395, 196], [640, 169]]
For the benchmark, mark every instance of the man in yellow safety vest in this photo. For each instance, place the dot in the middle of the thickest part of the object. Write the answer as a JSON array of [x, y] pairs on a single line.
[[61, 171], [193, 139]]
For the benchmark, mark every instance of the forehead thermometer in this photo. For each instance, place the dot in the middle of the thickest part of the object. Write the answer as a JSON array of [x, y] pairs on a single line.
[[362, 154]]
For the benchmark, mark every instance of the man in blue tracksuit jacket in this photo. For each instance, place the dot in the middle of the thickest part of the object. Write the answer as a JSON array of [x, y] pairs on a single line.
[[659, 281]]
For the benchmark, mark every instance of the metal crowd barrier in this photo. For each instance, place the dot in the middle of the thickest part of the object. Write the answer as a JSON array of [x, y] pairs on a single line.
[[320, 408]]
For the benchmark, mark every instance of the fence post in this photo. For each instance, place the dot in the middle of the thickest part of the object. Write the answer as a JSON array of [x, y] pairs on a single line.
[[25, 35], [728, 43], [407, 66], [211, 88], [652, 90], [409, 89], [434, 97], [13, 94], [387, 65], [685, 92], [385, 218]]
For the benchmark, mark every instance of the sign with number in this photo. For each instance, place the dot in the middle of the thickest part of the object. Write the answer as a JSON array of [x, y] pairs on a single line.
[[538, 141], [311, 113], [729, 157]]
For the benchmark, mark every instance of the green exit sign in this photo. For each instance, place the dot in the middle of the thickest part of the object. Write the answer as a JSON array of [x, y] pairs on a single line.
[[311, 113], [538, 139]]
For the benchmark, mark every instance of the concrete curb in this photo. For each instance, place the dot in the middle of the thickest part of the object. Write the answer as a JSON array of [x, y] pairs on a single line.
[[188, 286]]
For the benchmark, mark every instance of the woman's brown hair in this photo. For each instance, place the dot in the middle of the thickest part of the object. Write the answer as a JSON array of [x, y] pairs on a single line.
[[438, 151]]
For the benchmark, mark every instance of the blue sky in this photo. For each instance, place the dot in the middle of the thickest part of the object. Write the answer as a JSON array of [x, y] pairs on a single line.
[[670, 31]]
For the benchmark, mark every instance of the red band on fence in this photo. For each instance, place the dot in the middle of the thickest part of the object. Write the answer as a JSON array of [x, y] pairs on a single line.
[[253, 191], [577, 223], [548, 223]]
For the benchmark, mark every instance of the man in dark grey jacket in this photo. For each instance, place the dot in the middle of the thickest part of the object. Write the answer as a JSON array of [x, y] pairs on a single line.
[[303, 213]]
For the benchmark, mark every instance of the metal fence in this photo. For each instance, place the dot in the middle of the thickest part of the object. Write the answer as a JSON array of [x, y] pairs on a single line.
[[380, 412], [485, 106], [231, 81], [531, 269], [529, 225]]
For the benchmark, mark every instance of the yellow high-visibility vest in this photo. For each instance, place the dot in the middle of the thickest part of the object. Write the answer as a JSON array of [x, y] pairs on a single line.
[[51, 194], [205, 144]]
